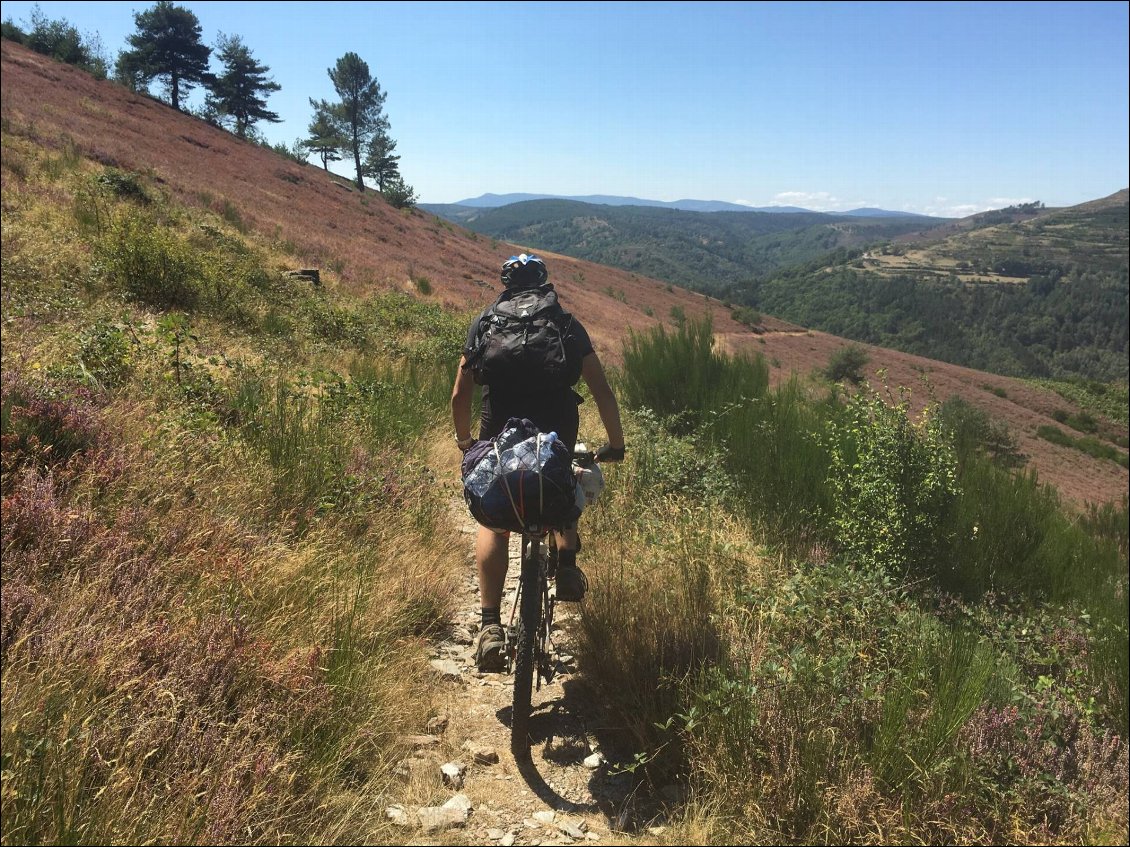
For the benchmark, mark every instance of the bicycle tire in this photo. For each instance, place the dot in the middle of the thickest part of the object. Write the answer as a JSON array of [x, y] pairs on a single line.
[[529, 620]]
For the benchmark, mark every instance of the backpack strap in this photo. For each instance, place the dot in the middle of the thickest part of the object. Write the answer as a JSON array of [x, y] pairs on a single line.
[[475, 353]]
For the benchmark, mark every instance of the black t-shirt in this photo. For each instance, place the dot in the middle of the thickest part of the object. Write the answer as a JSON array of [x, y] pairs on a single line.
[[552, 409]]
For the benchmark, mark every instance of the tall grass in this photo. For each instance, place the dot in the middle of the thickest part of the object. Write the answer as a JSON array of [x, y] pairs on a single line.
[[217, 572], [663, 571], [866, 686], [180, 666]]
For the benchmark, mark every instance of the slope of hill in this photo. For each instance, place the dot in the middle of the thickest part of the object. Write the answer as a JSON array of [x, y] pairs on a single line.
[[362, 245], [357, 240], [711, 252], [1044, 294]]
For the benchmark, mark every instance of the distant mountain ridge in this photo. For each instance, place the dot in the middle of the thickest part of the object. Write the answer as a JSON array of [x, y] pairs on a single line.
[[493, 201], [704, 251]]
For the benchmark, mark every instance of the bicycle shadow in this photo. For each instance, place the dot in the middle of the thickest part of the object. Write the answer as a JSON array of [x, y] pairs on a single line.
[[564, 732], [544, 725]]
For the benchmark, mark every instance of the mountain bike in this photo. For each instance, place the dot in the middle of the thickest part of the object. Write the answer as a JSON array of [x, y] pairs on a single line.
[[530, 653]]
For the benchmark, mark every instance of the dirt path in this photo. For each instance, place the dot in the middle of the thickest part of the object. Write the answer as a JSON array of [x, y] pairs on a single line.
[[569, 792]]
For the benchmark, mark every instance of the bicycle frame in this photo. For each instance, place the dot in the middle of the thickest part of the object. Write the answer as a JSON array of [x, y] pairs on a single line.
[[531, 656], [529, 645]]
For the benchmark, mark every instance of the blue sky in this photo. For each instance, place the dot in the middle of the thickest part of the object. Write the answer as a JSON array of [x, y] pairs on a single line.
[[937, 108]]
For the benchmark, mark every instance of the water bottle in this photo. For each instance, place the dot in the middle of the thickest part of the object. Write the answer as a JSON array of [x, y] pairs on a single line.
[[482, 476], [545, 448]]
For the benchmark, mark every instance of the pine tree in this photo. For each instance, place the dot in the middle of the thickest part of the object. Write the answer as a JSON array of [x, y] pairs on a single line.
[[380, 164], [237, 92], [166, 45], [325, 139], [360, 113]]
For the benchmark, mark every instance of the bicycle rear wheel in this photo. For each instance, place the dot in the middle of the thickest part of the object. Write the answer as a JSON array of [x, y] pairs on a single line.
[[529, 620]]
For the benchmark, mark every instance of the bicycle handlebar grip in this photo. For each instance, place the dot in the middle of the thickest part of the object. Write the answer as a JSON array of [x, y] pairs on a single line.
[[584, 458]]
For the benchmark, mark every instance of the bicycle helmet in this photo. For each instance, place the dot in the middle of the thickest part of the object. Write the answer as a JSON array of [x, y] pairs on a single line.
[[524, 271]]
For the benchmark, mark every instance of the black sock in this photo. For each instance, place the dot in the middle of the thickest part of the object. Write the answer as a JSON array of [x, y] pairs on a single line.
[[490, 616], [566, 558]]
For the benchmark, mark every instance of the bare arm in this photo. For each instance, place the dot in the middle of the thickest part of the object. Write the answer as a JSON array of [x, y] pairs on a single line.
[[593, 373], [461, 395]]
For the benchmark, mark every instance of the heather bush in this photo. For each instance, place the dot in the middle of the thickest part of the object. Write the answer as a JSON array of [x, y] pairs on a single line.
[[43, 425]]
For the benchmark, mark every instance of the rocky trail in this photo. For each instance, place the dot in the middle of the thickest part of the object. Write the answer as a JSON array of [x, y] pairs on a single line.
[[570, 791]]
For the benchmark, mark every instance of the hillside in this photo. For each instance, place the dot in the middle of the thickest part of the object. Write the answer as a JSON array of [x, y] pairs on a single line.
[[1013, 245], [709, 251], [896, 282], [363, 246], [357, 241], [1043, 293]]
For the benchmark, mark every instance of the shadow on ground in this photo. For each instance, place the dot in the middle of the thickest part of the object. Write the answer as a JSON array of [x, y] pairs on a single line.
[[566, 731]]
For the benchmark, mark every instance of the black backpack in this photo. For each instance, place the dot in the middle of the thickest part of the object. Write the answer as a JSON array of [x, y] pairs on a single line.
[[521, 341]]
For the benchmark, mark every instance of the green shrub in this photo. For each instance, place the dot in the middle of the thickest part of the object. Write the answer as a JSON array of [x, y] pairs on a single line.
[[747, 316], [151, 263], [846, 364], [893, 484], [973, 431], [105, 353], [122, 184], [681, 377]]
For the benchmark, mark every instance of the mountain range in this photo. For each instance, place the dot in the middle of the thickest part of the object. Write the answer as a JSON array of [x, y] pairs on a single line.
[[491, 201]]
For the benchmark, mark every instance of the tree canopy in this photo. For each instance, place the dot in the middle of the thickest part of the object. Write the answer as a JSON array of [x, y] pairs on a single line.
[[237, 93], [360, 112], [166, 46], [60, 40]]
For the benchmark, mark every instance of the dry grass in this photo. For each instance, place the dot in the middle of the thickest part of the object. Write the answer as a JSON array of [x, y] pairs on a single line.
[[179, 666], [188, 657]]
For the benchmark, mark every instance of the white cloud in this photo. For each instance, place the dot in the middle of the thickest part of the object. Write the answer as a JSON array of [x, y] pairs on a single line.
[[938, 207], [942, 207]]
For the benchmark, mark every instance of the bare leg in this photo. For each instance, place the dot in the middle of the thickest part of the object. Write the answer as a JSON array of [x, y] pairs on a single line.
[[571, 582], [567, 540], [492, 558]]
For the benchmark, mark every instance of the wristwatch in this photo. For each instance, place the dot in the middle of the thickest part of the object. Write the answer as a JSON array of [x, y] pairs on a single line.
[[465, 443]]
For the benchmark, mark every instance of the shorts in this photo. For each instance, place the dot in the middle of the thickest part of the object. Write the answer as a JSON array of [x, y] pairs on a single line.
[[555, 414]]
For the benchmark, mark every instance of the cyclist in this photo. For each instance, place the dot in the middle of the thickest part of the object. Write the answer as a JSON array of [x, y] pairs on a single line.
[[552, 405]]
